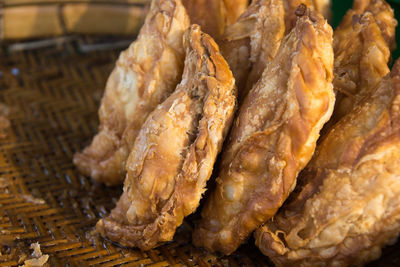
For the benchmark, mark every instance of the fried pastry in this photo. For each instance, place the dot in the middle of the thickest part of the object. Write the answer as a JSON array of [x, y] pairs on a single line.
[[144, 75], [321, 6], [174, 153], [253, 41], [347, 204], [214, 15], [273, 136], [362, 44]]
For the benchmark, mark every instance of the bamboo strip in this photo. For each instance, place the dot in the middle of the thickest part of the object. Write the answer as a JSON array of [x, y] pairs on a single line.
[[7, 3], [31, 21], [102, 19], [50, 20]]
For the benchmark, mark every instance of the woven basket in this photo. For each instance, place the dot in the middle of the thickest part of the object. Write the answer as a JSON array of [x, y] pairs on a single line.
[[48, 110]]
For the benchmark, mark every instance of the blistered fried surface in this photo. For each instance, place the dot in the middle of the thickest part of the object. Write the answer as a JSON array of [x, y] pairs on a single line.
[[273, 136], [214, 15], [347, 205], [144, 75], [362, 45], [174, 154], [253, 41]]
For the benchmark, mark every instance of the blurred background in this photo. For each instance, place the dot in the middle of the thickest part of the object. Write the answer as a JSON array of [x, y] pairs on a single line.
[[92, 24]]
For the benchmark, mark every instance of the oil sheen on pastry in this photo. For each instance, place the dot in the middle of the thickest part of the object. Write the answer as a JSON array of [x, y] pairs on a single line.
[[273, 137], [253, 41], [347, 204], [174, 154], [145, 75]]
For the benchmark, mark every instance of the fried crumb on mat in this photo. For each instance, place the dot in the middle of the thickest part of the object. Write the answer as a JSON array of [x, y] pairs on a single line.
[[4, 122], [31, 199], [38, 259], [4, 182]]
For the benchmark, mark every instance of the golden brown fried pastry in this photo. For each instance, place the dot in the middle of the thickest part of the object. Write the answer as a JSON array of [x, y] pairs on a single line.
[[347, 204], [144, 75], [174, 153], [273, 136], [322, 6], [362, 44], [252, 41], [214, 15]]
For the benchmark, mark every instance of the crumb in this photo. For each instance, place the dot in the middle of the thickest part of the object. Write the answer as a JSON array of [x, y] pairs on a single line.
[[39, 258], [32, 199], [4, 109], [4, 122], [4, 182], [36, 250]]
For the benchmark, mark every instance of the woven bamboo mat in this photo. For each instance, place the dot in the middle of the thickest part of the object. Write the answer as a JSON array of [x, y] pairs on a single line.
[[51, 97]]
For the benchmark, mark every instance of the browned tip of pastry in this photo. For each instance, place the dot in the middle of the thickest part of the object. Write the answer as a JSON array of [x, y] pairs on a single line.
[[355, 20], [196, 39], [301, 10], [365, 18]]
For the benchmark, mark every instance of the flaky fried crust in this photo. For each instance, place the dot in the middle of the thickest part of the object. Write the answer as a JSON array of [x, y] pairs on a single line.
[[273, 136], [214, 15], [253, 41], [347, 205], [174, 154], [362, 44], [321, 6], [144, 75]]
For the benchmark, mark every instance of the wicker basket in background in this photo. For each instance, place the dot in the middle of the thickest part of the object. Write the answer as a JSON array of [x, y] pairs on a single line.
[[49, 95]]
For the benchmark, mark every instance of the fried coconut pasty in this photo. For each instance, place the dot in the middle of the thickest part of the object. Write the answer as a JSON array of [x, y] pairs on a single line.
[[273, 137], [214, 15], [362, 44], [174, 154], [253, 41], [145, 75], [347, 204]]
